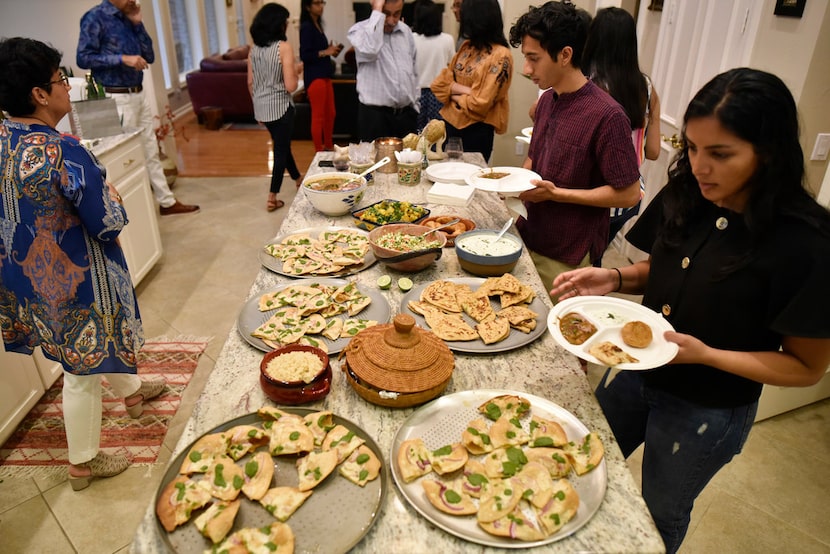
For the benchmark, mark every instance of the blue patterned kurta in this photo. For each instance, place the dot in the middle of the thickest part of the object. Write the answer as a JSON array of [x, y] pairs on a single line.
[[64, 283]]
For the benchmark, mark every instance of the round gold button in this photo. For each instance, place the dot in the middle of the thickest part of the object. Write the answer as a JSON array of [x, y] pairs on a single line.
[[721, 223], [684, 263], [666, 309]]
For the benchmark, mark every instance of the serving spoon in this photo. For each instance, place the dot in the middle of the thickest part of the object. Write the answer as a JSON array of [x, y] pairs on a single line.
[[503, 230], [453, 222]]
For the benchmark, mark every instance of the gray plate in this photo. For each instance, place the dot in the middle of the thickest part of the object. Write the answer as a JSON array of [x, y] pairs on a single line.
[[517, 339], [250, 317], [441, 422], [274, 264], [333, 519]]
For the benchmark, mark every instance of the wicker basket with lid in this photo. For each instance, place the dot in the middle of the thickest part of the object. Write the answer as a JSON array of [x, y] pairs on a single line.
[[398, 364]]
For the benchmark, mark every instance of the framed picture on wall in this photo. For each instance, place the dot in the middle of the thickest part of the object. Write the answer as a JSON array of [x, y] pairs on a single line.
[[790, 8]]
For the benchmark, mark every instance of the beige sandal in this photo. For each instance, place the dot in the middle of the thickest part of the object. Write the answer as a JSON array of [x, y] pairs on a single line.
[[147, 391], [102, 465]]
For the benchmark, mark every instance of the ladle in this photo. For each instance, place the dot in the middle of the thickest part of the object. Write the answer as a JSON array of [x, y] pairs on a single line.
[[453, 222], [383, 161]]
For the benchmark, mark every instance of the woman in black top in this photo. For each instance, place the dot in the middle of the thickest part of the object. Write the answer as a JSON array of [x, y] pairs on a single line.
[[739, 260]]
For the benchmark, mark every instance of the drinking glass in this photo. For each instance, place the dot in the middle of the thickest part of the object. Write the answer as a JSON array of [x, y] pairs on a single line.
[[455, 148]]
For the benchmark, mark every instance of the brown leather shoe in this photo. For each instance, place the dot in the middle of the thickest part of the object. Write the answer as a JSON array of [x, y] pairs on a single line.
[[178, 208]]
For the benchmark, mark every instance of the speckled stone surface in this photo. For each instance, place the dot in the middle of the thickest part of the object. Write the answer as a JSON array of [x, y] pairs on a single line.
[[622, 524]]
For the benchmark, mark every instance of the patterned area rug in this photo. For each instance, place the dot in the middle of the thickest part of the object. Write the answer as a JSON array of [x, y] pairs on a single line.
[[39, 443]]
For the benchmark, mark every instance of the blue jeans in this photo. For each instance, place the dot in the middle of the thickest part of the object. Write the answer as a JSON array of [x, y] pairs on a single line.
[[685, 445]]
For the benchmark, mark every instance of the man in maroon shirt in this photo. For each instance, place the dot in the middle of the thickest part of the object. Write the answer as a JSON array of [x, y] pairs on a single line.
[[581, 146]]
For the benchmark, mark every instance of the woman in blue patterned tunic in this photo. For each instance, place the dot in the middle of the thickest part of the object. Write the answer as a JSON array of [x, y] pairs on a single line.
[[64, 284]]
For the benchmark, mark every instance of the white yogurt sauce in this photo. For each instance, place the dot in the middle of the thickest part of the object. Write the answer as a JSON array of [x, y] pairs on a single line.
[[483, 245]]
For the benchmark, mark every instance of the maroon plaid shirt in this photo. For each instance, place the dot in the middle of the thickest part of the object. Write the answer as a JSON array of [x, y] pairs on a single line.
[[581, 140]]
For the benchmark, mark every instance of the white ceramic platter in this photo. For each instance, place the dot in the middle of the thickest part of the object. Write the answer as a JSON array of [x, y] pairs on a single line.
[[250, 317], [517, 180], [442, 421], [608, 315], [450, 172]]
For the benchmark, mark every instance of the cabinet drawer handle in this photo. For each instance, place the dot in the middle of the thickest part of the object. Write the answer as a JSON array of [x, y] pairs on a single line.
[[128, 163]]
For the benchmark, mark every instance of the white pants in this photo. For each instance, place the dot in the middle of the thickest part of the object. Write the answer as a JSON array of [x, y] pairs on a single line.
[[82, 410], [134, 111]]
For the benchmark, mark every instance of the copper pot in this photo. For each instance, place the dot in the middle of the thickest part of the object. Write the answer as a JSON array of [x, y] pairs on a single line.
[[387, 146]]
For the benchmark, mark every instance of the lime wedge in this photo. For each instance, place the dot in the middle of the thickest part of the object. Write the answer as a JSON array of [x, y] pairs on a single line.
[[384, 282], [405, 284]]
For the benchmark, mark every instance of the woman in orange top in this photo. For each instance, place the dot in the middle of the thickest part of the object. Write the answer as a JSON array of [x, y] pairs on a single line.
[[474, 86]]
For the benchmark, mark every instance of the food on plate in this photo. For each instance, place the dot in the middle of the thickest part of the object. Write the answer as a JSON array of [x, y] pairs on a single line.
[[342, 441], [441, 294], [269, 412], [449, 500], [288, 436], [490, 174], [586, 454], [524, 296], [636, 334], [201, 454], [517, 490], [484, 245], [575, 328], [450, 327], [333, 251], [243, 439], [353, 326], [493, 330], [451, 231], [290, 367], [361, 466], [217, 520], [332, 184], [315, 467], [177, 501], [477, 306], [448, 458], [402, 242], [274, 537], [303, 310], [282, 502], [319, 423], [391, 211], [224, 479], [413, 459], [611, 354], [508, 405], [258, 472]]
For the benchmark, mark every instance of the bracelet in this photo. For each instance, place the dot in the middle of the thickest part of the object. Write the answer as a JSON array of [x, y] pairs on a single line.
[[619, 278]]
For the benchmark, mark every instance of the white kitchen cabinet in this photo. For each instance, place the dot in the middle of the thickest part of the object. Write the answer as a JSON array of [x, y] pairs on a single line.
[[123, 157], [21, 389]]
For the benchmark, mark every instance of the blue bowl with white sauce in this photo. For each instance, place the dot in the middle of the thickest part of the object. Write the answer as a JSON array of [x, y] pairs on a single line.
[[478, 253]]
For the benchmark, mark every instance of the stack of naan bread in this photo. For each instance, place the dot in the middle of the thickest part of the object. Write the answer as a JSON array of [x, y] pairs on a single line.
[[331, 252], [310, 309], [442, 304], [322, 445], [512, 477]]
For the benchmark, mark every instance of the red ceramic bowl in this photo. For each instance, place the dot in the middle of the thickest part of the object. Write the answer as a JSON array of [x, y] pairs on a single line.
[[295, 392]]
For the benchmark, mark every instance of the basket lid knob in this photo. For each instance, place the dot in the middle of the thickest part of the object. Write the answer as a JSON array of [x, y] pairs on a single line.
[[400, 335]]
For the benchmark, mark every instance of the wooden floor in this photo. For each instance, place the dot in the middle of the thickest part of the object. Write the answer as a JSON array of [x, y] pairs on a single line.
[[230, 153]]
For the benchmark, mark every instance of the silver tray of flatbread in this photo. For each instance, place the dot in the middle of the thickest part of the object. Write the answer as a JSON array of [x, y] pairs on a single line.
[[442, 421], [251, 317], [317, 257], [336, 516], [515, 339]]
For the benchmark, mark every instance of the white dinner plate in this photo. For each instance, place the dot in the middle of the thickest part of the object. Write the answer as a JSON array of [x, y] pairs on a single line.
[[528, 132], [450, 172], [442, 421], [517, 180], [609, 314]]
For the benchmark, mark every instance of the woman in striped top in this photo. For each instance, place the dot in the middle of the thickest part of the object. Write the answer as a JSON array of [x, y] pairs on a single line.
[[272, 77]]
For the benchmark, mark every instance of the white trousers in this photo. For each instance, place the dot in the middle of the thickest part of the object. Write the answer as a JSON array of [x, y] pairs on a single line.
[[134, 111], [82, 410]]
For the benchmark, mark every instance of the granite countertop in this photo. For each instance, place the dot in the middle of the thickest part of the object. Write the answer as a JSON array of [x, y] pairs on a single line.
[[102, 145], [542, 368]]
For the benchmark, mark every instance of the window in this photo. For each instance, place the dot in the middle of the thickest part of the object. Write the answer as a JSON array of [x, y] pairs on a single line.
[[184, 20]]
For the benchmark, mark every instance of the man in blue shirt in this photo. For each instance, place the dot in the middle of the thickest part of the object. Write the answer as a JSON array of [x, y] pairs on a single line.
[[115, 45]]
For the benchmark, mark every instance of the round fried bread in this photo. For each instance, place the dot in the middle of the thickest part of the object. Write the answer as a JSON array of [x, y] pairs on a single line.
[[636, 334]]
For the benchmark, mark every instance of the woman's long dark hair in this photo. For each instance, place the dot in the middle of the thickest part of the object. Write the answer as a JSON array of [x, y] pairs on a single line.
[[482, 24], [269, 25], [305, 16], [610, 60], [757, 107]]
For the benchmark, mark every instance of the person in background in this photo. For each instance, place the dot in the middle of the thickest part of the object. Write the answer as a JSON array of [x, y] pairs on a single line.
[[115, 45], [387, 78], [610, 60], [64, 282], [434, 50], [456, 12], [739, 254], [474, 87], [316, 53], [581, 145], [272, 77]]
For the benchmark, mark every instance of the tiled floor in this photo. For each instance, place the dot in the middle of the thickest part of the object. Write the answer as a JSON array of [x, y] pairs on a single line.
[[771, 498]]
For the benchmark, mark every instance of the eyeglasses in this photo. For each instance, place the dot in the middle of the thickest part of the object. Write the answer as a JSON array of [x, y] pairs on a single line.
[[63, 79]]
